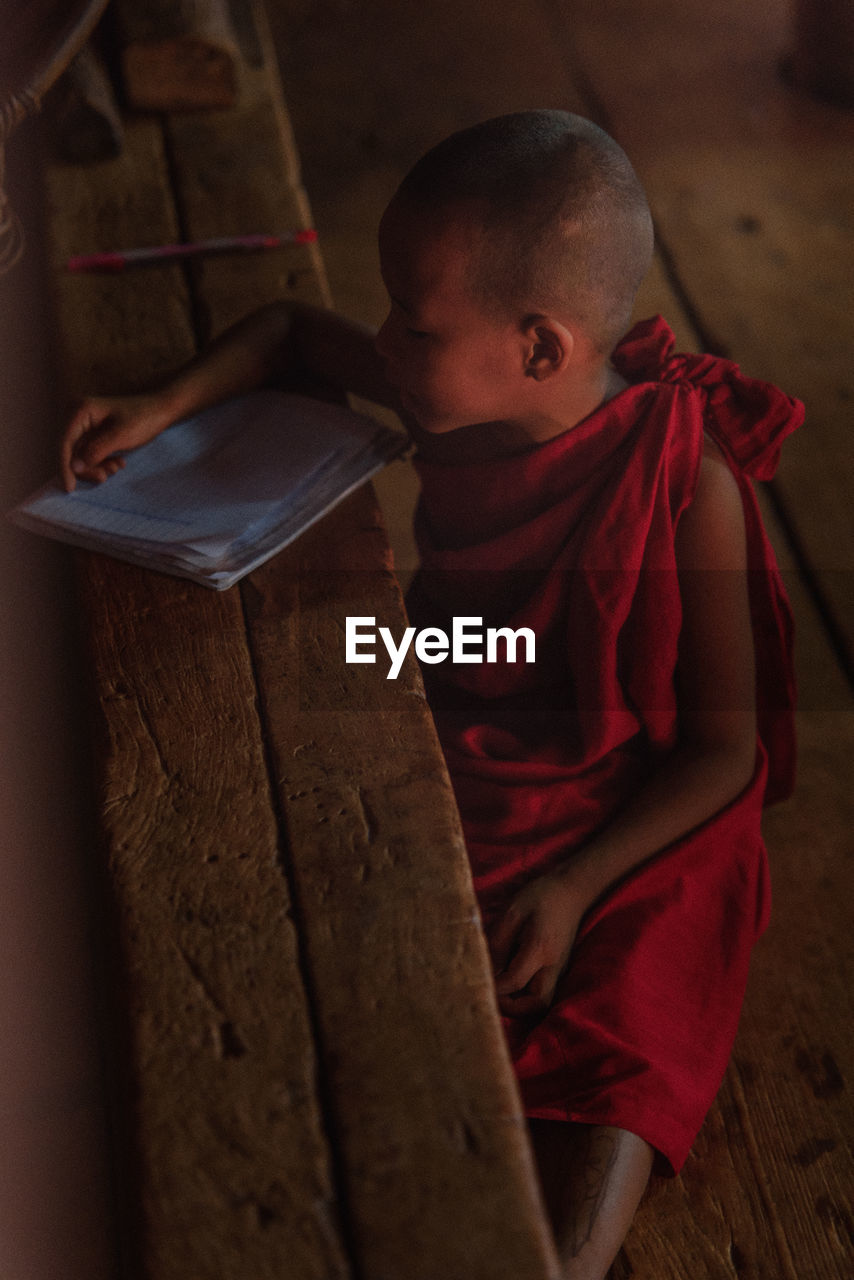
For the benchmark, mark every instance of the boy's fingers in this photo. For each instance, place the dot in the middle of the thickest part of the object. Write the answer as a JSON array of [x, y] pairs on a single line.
[[83, 424], [521, 970], [537, 995], [518, 1006], [98, 472], [97, 444], [95, 457], [108, 467], [76, 428]]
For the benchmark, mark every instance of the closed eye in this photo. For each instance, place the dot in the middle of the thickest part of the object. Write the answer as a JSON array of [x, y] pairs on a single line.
[[417, 333]]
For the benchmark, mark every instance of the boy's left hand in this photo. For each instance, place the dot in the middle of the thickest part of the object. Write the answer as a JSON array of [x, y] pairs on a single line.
[[531, 942]]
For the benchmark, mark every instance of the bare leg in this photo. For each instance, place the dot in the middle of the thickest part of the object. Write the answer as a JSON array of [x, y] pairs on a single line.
[[593, 1177]]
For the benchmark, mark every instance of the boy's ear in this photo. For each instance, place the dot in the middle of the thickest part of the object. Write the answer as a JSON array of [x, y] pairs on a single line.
[[548, 347]]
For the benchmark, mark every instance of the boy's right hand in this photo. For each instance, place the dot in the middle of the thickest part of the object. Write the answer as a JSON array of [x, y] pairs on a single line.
[[102, 429]]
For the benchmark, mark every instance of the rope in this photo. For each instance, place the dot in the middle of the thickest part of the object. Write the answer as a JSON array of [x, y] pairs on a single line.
[[12, 113]]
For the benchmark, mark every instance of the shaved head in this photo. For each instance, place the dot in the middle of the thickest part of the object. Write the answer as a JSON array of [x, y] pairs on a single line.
[[560, 220]]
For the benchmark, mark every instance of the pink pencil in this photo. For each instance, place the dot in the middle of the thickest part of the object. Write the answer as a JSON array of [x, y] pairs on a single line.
[[118, 260]]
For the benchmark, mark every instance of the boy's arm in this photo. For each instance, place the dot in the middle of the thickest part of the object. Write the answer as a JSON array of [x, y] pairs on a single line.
[[267, 346], [712, 762]]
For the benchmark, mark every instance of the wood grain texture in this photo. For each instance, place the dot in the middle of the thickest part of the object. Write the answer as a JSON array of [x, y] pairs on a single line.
[[368, 790], [229, 1174], [238, 172], [223, 1161], [117, 332], [426, 1111]]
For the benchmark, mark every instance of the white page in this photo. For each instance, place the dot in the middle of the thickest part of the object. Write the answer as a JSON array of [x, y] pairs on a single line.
[[227, 476]]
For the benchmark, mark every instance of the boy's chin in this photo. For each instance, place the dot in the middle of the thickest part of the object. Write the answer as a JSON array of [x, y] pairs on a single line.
[[436, 426], [429, 420], [431, 423]]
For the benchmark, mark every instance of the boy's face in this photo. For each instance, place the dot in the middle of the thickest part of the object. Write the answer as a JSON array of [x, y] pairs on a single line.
[[452, 363]]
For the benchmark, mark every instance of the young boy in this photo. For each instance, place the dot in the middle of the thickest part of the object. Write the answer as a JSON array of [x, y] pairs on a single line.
[[595, 491]]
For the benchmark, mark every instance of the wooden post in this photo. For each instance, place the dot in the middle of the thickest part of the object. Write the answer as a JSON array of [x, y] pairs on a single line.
[[177, 55], [823, 58]]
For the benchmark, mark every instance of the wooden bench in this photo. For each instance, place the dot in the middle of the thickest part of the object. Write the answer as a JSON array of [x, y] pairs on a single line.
[[287, 899]]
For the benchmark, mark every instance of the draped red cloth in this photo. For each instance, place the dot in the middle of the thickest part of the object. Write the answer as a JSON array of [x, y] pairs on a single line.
[[574, 538]]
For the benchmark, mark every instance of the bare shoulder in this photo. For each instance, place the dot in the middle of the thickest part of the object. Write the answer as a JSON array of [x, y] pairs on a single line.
[[711, 533]]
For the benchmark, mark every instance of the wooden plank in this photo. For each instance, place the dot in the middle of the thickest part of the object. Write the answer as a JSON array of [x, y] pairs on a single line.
[[355, 954], [238, 172], [118, 332], [752, 186], [230, 1170], [426, 1113], [434, 1150], [225, 1167]]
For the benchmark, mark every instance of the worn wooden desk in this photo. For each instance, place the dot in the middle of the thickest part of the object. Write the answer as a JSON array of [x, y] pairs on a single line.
[[287, 896]]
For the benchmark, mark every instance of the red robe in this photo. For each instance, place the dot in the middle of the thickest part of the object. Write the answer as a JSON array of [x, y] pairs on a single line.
[[574, 538]]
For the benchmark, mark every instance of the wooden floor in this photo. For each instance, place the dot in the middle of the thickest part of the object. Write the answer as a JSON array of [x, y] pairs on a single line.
[[752, 189]]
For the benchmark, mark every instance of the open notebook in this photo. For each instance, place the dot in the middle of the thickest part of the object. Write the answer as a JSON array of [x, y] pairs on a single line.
[[216, 495]]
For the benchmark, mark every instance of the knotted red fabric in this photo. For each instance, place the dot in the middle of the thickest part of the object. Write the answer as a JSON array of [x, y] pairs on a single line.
[[574, 539]]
